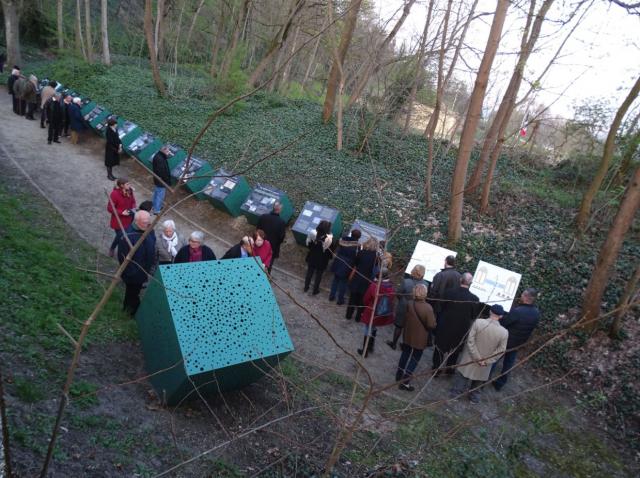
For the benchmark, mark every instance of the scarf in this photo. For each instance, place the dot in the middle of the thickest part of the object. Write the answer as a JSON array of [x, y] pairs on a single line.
[[170, 243]]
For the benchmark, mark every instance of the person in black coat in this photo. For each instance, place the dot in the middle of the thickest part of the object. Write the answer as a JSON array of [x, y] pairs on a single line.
[[15, 74], [76, 120], [445, 280], [520, 322], [319, 243], [160, 166], [242, 249], [195, 251], [113, 148], [274, 229], [54, 114], [66, 115], [458, 312], [342, 265], [137, 271], [362, 275]]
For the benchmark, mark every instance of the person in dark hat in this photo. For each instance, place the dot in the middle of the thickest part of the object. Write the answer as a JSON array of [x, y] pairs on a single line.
[[486, 342]]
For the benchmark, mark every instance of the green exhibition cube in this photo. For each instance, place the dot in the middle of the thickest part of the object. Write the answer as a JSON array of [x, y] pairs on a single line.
[[260, 201], [196, 175], [369, 230], [176, 154], [144, 147], [311, 215], [85, 109], [127, 132], [214, 326], [227, 192]]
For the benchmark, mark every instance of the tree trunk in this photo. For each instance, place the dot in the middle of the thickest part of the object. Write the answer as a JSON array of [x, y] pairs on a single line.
[[334, 74], [607, 155], [79, 35], [60, 13], [12, 32], [196, 14], [287, 69], [104, 13], [215, 50], [148, 32], [87, 28], [312, 58], [630, 291], [609, 252], [158, 31], [471, 123], [177, 42], [625, 164], [235, 38], [276, 43]]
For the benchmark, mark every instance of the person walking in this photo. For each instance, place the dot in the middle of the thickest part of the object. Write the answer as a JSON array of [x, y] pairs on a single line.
[[378, 311], [484, 346], [137, 272], [47, 93], [520, 322], [121, 206], [360, 277], [77, 123], [195, 250], [162, 178], [113, 148], [404, 294], [419, 323], [54, 114], [169, 243], [342, 265], [319, 244], [275, 229], [460, 308]]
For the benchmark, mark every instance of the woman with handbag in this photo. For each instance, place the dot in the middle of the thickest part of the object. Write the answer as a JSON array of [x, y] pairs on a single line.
[[113, 148], [419, 322]]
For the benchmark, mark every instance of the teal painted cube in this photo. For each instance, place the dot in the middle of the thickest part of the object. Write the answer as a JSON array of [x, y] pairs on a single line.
[[213, 325], [196, 175], [310, 216], [369, 230], [260, 201], [144, 147], [227, 192], [127, 131]]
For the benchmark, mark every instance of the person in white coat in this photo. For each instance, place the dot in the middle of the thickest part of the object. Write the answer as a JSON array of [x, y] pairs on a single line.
[[169, 243], [486, 343]]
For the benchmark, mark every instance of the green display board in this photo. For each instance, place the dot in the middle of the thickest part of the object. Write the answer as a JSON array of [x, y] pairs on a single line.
[[310, 216], [101, 126], [227, 192], [86, 108], [213, 325], [144, 147], [197, 176], [127, 132], [260, 201], [96, 116], [369, 230]]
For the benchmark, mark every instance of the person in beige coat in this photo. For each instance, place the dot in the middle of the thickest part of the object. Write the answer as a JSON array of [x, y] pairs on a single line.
[[419, 322], [486, 343]]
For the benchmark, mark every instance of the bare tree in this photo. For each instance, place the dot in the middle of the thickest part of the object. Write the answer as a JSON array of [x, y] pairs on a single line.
[[104, 26], [60, 31], [153, 54], [87, 27], [12, 32], [235, 37], [585, 207], [79, 35], [471, 123], [194, 19]]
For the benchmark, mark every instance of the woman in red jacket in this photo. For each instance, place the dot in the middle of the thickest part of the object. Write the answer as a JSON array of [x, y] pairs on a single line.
[[262, 247], [383, 314], [122, 204]]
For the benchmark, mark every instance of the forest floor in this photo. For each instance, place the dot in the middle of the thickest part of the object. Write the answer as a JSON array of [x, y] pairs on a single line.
[[53, 199]]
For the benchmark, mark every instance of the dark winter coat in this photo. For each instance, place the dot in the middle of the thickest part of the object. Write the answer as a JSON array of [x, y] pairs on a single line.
[[19, 87], [54, 113], [10, 82], [318, 256], [235, 252], [345, 257], [183, 254], [144, 258], [76, 120], [274, 229], [29, 93], [161, 169], [66, 114], [364, 264], [443, 281], [456, 317], [520, 323], [112, 148]]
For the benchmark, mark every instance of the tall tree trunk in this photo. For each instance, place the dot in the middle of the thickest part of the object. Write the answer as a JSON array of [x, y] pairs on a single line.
[[148, 32], [12, 32], [607, 155], [79, 35], [287, 69], [104, 13], [60, 32], [235, 38], [276, 43], [177, 42], [630, 291], [157, 32], [373, 65], [87, 28], [196, 14], [312, 58], [609, 252], [338, 61], [471, 123]]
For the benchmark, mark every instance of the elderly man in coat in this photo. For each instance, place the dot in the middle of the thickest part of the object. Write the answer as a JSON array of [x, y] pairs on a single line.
[[486, 343]]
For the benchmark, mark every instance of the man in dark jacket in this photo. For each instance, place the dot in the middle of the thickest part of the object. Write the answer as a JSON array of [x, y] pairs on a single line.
[[54, 114], [15, 74], [274, 228], [342, 265], [136, 272], [66, 114], [242, 249], [161, 179], [76, 123], [445, 280], [520, 322], [459, 309]]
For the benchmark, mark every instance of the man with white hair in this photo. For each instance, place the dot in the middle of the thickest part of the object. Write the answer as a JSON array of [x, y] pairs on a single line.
[[195, 251], [137, 271]]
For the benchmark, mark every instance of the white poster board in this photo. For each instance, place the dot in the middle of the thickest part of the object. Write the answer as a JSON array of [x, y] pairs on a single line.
[[431, 257], [495, 285]]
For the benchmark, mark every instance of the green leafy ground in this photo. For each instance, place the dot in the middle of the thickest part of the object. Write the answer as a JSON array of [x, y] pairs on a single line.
[[529, 229]]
